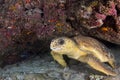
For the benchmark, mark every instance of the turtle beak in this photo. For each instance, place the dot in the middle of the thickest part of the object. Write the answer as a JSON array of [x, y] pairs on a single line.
[[52, 45]]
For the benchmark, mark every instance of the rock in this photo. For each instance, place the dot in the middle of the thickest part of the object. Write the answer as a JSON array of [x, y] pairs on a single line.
[[45, 68]]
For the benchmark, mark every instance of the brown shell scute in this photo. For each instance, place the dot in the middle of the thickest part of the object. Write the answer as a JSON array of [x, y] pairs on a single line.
[[93, 44]]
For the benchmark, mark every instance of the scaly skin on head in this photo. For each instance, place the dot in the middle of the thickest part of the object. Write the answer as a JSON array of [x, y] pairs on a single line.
[[75, 50], [66, 46], [59, 45]]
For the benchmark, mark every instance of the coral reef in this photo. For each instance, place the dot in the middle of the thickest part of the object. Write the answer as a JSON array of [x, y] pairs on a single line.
[[26, 23], [97, 18], [27, 26]]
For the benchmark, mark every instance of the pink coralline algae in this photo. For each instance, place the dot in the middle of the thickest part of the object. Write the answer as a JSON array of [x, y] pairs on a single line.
[[112, 10], [106, 10], [97, 18], [94, 14], [100, 16], [40, 16], [23, 22]]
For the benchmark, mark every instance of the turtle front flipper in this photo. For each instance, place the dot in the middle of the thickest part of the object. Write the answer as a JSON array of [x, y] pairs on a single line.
[[96, 64], [112, 63], [59, 58]]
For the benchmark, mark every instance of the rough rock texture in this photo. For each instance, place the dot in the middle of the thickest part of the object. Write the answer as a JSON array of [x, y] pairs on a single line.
[[44, 67], [27, 27], [96, 18]]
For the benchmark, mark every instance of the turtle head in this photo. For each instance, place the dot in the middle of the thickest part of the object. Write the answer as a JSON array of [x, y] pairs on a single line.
[[62, 45]]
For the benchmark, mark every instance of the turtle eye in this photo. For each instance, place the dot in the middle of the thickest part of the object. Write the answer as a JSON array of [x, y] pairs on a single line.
[[61, 41]]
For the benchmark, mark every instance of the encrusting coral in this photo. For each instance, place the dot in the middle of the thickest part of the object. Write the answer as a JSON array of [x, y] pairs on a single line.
[[93, 17], [24, 23]]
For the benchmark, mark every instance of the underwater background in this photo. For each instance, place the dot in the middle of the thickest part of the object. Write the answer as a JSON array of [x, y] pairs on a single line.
[[28, 26]]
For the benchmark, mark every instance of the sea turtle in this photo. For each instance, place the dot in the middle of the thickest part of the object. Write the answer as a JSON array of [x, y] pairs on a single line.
[[84, 49]]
